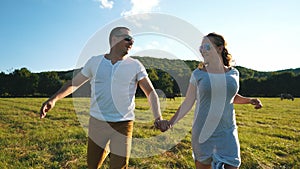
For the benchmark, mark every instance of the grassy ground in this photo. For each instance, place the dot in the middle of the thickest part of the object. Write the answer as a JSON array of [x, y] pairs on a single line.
[[269, 137]]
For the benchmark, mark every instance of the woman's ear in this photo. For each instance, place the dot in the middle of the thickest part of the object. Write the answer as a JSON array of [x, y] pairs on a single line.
[[220, 49]]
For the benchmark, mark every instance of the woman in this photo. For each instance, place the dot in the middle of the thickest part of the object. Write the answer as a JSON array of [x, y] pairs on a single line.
[[214, 84]]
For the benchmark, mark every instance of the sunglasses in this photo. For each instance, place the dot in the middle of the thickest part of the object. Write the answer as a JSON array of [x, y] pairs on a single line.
[[205, 46], [127, 38]]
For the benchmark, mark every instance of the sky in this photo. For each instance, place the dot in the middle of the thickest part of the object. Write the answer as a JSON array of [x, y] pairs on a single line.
[[50, 35]]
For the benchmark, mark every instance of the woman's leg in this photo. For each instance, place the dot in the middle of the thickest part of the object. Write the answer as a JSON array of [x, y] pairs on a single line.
[[230, 167], [202, 166]]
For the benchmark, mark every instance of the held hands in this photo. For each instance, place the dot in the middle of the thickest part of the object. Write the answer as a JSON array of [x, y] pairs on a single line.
[[256, 102], [163, 125]]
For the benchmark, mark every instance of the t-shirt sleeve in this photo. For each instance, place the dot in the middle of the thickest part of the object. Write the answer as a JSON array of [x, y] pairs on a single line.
[[86, 70], [193, 80], [141, 72], [237, 72], [91, 65]]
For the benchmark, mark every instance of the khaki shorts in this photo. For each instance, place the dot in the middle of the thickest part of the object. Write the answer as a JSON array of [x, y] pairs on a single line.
[[109, 137]]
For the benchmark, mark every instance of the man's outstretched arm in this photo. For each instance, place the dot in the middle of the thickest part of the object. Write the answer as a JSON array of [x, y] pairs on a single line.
[[64, 91]]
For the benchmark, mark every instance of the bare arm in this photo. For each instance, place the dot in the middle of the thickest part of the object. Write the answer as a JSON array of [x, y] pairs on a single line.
[[186, 105], [238, 99], [68, 88], [152, 96]]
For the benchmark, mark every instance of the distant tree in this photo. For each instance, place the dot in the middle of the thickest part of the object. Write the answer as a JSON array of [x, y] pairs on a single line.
[[166, 82], [49, 82], [280, 83], [295, 86], [192, 64], [152, 74], [250, 87], [4, 86], [168, 75], [23, 82], [245, 73]]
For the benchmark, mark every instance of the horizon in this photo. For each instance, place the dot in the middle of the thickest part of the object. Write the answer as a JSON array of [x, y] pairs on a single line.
[[72, 69]]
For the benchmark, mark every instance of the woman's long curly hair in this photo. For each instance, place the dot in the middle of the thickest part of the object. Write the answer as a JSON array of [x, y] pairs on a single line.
[[218, 40]]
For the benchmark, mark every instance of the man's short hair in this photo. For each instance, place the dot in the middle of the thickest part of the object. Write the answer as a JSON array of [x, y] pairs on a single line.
[[116, 31]]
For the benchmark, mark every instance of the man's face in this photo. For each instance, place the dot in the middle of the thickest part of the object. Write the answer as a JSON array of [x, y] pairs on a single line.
[[123, 41]]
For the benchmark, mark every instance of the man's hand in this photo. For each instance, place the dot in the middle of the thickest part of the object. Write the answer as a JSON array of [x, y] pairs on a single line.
[[47, 106], [163, 125]]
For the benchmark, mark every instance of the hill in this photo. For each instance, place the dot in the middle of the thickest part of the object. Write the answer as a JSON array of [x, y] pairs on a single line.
[[169, 75], [181, 66], [250, 73]]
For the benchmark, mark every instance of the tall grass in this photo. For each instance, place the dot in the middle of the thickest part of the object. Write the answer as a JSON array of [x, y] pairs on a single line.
[[269, 137]]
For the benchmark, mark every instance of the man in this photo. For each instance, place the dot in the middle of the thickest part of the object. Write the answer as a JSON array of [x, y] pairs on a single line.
[[114, 78]]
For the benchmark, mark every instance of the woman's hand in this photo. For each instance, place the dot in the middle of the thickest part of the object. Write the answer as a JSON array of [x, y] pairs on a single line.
[[163, 125], [256, 102]]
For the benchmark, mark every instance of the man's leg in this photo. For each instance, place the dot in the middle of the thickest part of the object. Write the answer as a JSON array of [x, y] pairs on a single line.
[[98, 140], [95, 154], [120, 145]]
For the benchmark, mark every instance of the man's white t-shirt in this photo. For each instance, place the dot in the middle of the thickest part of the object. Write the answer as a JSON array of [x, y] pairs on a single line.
[[113, 87]]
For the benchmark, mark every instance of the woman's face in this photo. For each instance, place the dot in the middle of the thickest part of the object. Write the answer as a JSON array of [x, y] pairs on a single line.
[[208, 49]]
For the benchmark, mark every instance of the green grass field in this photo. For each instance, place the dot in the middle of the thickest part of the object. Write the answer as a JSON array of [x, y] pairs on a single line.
[[269, 137]]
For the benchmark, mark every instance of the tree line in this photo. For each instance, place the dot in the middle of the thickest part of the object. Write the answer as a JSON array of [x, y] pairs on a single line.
[[170, 76]]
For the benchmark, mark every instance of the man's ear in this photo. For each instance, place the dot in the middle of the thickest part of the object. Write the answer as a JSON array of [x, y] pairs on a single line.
[[115, 40]]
